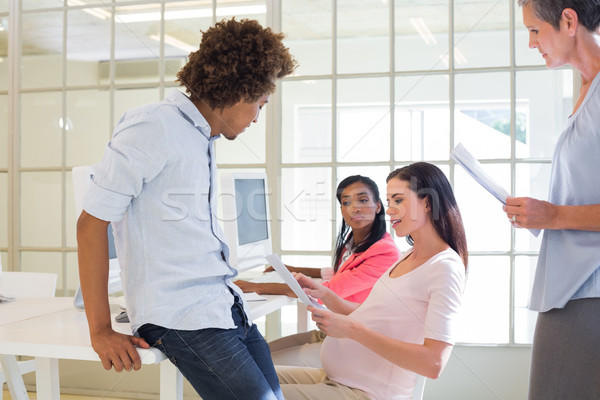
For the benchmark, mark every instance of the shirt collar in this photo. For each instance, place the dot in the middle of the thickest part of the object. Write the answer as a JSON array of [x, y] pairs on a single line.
[[350, 245], [190, 110]]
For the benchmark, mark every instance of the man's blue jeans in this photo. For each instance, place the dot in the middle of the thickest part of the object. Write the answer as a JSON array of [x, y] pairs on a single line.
[[221, 364]]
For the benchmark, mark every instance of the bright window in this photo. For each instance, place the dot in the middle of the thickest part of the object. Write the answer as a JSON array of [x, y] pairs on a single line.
[[381, 84], [350, 109]]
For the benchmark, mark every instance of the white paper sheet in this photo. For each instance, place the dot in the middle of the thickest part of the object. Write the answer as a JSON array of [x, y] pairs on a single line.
[[473, 168], [291, 281]]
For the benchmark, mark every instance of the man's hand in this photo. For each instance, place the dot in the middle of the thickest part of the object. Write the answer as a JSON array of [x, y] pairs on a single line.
[[117, 350]]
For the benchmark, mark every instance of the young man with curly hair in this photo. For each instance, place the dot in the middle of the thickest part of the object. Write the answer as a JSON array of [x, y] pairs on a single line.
[[156, 184]]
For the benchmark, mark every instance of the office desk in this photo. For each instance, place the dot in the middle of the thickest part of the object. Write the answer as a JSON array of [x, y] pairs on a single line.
[[27, 308], [52, 329]]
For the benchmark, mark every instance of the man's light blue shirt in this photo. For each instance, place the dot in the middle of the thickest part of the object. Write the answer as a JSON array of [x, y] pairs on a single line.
[[569, 262], [156, 184]]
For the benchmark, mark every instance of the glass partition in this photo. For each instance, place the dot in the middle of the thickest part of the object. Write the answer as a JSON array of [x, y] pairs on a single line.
[[88, 126], [44, 261], [306, 121], [483, 113], [37, 4], [362, 45], [4, 28], [539, 120], [363, 120], [72, 272], [481, 33], [307, 25], [126, 99], [421, 35], [4, 193], [42, 50], [70, 214], [86, 48], [486, 321], [4, 131], [42, 124], [306, 213], [41, 205], [422, 118], [485, 223], [524, 318]]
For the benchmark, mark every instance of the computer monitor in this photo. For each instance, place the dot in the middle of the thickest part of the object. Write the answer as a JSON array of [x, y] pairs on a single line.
[[82, 177], [245, 218]]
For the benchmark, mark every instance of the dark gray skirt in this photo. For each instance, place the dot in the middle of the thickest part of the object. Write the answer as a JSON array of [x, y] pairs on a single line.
[[565, 363]]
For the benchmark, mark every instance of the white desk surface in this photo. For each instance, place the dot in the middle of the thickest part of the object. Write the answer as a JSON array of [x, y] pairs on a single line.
[[27, 308], [62, 332], [54, 328], [50, 329], [273, 303]]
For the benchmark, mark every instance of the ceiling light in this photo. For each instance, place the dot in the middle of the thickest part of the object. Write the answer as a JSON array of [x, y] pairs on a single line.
[[459, 58], [188, 14], [68, 126], [96, 12], [423, 30], [170, 40], [142, 17]]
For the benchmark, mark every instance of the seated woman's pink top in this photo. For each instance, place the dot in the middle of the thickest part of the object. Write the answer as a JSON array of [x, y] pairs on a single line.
[[355, 278], [423, 303]]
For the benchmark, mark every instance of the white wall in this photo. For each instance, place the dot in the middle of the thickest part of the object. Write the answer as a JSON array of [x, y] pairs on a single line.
[[483, 373]]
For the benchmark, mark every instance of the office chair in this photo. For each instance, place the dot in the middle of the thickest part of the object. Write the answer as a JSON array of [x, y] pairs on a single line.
[[28, 284], [25, 284]]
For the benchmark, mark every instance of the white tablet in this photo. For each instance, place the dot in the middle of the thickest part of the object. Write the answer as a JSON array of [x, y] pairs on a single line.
[[289, 279]]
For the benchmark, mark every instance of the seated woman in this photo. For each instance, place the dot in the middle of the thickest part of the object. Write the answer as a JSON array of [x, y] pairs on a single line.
[[364, 251], [407, 324]]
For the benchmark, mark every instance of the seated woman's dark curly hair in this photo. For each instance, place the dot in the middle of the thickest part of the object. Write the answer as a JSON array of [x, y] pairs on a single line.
[[236, 61]]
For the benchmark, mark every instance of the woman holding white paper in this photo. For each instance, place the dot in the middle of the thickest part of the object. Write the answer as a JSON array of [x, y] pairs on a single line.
[[364, 249], [566, 289], [407, 324]]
